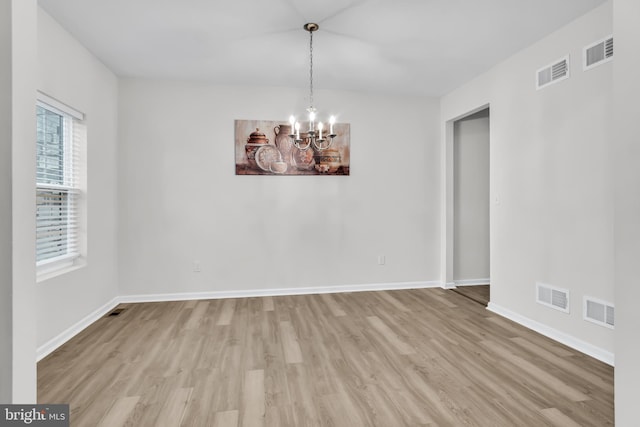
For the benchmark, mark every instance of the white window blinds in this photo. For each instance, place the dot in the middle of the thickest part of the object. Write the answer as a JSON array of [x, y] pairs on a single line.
[[59, 134]]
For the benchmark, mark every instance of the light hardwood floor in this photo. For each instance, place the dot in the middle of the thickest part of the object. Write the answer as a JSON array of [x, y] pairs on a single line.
[[478, 293], [427, 357]]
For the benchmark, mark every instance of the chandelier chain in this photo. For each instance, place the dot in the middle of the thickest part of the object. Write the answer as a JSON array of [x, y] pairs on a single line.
[[311, 69]]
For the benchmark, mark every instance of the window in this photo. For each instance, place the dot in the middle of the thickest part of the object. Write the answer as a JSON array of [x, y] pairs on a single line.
[[60, 133]]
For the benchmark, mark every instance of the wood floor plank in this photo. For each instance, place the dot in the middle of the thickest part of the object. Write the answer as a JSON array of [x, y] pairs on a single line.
[[389, 298], [400, 346], [197, 315], [566, 365], [173, 408], [333, 305], [477, 293], [558, 419], [253, 409], [226, 314], [226, 419], [337, 409], [420, 357], [199, 411], [303, 405], [119, 413], [538, 374], [292, 352], [267, 304]]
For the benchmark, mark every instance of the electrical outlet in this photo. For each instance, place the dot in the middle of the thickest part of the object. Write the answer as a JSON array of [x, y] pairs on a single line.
[[196, 267], [381, 259]]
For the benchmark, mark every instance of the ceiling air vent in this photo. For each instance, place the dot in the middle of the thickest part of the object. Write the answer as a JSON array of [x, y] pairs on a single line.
[[552, 297], [599, 312], [553, 73], [598, 53]]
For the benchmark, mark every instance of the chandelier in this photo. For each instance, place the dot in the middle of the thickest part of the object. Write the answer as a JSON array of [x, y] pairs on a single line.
[[314, 135]]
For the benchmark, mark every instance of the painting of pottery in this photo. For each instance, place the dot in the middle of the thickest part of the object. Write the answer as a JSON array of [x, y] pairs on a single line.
[[264, 147]]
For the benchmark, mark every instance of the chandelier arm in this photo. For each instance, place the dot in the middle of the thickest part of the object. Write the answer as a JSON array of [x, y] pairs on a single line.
[[297, 144], [318, 143]]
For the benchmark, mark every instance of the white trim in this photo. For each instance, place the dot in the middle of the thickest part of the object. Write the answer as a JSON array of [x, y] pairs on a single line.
[[47, 348], [43, 275], [277, 292], [448, 285], [60, 106], [561, 337], [472, 282], [52, 264]]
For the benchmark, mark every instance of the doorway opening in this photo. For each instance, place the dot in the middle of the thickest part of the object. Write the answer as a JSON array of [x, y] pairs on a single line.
[[471, 206]]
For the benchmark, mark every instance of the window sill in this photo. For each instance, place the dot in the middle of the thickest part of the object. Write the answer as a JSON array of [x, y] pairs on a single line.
[[43, 274]]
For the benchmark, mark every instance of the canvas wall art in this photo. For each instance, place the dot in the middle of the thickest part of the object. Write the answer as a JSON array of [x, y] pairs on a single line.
[[263, 147]]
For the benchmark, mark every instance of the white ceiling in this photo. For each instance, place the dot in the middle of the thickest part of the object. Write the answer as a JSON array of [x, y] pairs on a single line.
[[422, 47]]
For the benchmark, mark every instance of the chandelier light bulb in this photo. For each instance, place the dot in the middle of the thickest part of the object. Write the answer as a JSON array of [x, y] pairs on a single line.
[[312, 118], [320, 129]]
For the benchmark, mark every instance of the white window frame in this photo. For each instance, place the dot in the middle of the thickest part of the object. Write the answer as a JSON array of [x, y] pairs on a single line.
[[73, 118]]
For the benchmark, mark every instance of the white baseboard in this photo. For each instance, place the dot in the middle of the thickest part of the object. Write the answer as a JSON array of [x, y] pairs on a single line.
[[566, 339], [51, 345], [472, 282], [276, 292]]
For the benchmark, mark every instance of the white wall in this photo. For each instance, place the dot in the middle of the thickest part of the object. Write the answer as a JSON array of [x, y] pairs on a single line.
[[626, 158], [69, 73], [6, 256], [471, 198], [180, 200], [17, 214], [550, 176], [23, 199]]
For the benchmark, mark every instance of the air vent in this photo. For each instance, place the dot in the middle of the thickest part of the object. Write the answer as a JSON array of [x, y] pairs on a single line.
[[552, 297], [553, 73], [115, 312], [598, 53], [599, 312]]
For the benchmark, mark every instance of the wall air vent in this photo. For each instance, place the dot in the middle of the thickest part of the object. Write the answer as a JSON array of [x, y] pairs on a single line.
[[552, 297], [553, 73], [598, 53], [599, 312]]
